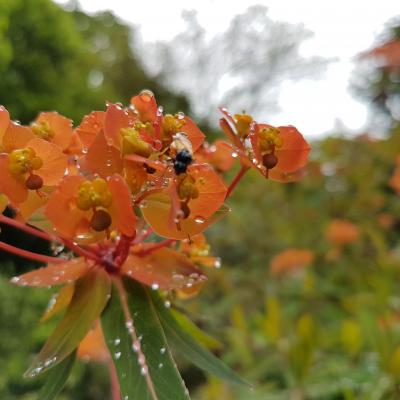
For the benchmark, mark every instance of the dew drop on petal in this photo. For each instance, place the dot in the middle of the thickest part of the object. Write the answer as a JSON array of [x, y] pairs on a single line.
[[180, 115], [199, 219], [234, 154], [15, 279], [217, 263], [155, 286], [144, 370], [117, 355]]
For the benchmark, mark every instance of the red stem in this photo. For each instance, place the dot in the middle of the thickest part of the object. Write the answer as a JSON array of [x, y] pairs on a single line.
[[30, 255], [236, 180], [45, 236], [28, 229]]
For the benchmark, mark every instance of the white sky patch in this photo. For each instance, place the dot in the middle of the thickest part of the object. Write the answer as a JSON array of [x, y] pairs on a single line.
[[342, 29]]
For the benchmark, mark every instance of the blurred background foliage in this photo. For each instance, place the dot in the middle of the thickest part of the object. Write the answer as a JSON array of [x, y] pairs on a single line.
[[307, 302]]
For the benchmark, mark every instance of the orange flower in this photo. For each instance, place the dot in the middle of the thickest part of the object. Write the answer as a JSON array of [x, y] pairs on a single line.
[[276, 152], [291, 261], [54, 128], [94, 208], [340, 232], [27, 162]]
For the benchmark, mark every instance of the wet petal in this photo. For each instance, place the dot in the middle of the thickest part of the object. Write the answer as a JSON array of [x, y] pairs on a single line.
[[115, 119], [16, 137], [4, 121], [101, 158], [93, 347], [146, 106], [90, 126], [195, 135], [59, 301], [165, 269], [121, 208], [54, 274]]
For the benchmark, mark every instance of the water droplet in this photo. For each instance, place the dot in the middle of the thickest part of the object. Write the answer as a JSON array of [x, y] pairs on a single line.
[[146, 95], [199, 219], [109, 163], [129, 324], [163, 350], [234, 154], [144, 370], [160, 110], [136, 346], [15, 279], [155, 286], [217, 263], [167, 304], [141, 359], [126, 397], [180, 115], [160, 365], [117, 355], [117, 341]]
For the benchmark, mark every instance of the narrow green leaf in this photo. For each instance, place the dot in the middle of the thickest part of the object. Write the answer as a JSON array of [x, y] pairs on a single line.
[[189, 348], [90, 297], [193, 330], [56, 378], [139, 349]]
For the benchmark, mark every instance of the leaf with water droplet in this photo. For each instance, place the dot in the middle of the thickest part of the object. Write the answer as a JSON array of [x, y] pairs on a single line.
[[140, 361], [89, 299], [185, 344], [56, 378]]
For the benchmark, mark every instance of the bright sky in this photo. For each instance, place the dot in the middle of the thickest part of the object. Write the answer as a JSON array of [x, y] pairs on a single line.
[[342, 29]]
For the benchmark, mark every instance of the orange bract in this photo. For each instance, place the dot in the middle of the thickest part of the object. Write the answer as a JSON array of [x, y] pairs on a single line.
[[164, 268], [291, 261], [340, 232]]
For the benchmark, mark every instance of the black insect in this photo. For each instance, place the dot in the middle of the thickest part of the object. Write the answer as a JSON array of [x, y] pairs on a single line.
[[182, 160]]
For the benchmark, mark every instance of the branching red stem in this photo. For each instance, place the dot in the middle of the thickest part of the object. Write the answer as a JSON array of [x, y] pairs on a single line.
[[29, 254], [236, 180]]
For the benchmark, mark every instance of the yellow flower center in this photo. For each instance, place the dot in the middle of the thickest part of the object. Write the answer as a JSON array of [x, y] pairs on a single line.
[[23, 161], [243, 122], [172, 124], [132, 143], [269, 140], [92, 194], [187, 187], [43, 130]]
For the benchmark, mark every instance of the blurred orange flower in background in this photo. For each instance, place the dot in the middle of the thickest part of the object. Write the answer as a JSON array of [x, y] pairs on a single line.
[[291, 261], [340, 232]]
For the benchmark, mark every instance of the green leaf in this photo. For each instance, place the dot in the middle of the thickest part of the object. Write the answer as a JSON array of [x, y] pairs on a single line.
[[193, 330], [190, 349], [56, 378], [90, 297], [138, 347]]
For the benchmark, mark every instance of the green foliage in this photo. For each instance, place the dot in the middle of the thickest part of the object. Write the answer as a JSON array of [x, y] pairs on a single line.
[[52, 59]]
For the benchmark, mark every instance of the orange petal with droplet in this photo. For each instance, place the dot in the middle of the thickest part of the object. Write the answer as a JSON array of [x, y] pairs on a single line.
[[13, 187], [121, 208], [146, 106], [90, 126], [195, 135], [156, 210], [101, 158], [54, 274], [115, 119], [212, 191], [4, 121], [164, 268], [61, 127]]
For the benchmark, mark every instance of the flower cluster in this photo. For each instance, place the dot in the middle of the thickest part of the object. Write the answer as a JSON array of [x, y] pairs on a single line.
[[130, 191]]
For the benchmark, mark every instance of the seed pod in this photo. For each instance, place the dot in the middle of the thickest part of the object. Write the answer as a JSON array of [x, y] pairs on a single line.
[[101, 220], [34, 182], [270, 160]]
